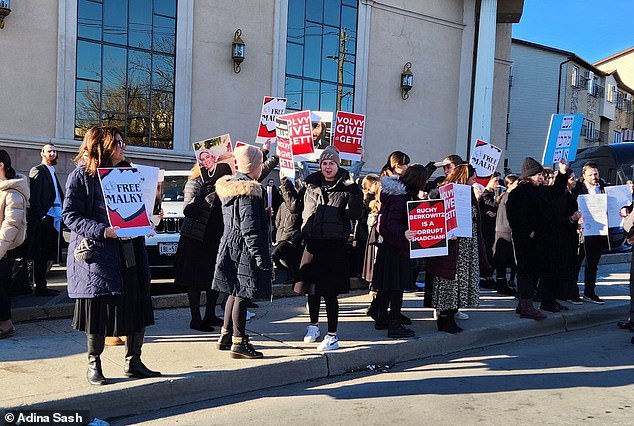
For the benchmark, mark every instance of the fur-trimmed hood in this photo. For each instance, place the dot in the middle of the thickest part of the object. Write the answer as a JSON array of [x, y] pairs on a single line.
[[240, 185], [390, 185]]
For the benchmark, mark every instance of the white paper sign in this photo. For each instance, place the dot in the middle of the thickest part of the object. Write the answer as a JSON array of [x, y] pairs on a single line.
[[618, 196], [457, 199], [485, 158], [594, 211]]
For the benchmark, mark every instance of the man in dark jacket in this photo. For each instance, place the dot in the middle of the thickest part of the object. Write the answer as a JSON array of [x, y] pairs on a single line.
[[592, 245], [44, 218]]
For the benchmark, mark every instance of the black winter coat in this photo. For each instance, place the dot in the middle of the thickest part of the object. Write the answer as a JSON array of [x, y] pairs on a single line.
[[328, 210], [393, 214], [530, 209], [243, 265], [288, 220]]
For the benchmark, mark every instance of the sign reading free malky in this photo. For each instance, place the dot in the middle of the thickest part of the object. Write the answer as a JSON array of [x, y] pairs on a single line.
[[125, 205], [348, 136], [485, 158], [426, 220], [271, 108], [300, 134]]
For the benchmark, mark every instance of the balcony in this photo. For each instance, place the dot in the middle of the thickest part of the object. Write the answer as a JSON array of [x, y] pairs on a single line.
[[592, 135]]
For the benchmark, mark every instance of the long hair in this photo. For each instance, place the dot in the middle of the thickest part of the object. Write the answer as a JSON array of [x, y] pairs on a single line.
[[460, 174], [97, 148], [396, 158], [415, 178], [6, 160], [195, 171]]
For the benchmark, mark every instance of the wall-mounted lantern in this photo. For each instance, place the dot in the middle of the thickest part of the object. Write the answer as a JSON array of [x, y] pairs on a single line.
[[5, 10], [237, 50], [407, 80]]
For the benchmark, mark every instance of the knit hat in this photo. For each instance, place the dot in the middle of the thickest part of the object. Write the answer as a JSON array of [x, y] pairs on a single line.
[[248, 158], [330, 153], [530, 167]]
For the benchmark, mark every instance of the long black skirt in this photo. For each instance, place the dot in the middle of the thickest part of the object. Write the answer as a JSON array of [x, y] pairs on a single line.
[[324, 268], [391, 271], [195, 263], [117, 315]]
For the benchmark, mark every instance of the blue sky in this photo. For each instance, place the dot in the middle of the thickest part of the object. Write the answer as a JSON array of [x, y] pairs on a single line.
[[589, 28]]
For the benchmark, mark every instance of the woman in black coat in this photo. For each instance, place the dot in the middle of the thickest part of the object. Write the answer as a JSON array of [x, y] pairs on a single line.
[[331, 200], [243, 265], [288, 224], [198, 244], [530, 213]]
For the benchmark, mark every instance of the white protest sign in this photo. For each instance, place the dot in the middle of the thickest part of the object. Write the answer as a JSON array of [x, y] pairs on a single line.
[[485, 158], [594, 211], [271, 108], [618, 196], [284, 149]]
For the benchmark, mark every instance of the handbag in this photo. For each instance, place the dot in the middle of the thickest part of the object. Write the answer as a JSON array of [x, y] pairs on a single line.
[[84, 250]]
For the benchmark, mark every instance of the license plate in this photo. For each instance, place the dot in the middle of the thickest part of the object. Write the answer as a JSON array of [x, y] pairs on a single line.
[[167, 249]]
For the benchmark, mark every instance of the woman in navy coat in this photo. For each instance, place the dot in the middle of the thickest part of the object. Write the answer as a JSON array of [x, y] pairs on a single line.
[[110, 283]]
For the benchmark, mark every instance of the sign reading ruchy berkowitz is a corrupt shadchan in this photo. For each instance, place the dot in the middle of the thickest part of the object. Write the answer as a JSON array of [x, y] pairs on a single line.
[[426, 220]]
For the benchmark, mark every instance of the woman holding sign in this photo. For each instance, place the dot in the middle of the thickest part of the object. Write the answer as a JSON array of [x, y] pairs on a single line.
[[108, 276], [393, 267], [456, 277]]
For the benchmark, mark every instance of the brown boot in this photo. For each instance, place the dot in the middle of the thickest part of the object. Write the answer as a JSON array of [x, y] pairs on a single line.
[[527, 310]]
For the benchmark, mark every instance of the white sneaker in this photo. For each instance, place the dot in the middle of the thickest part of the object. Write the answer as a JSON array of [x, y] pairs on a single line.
[[312, 334], [250, 315], [330, 343], [461, 316]]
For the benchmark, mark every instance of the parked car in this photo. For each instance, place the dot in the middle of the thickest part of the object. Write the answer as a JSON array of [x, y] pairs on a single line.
[[615, 163], [162, 247]]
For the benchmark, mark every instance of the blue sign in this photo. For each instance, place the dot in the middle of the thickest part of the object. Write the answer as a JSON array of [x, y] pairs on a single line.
[[563, 138]]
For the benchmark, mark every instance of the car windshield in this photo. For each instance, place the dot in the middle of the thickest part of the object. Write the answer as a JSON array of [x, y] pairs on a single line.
[[173, 187]]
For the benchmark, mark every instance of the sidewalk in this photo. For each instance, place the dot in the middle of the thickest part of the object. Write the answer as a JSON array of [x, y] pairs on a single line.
[[44, 365]]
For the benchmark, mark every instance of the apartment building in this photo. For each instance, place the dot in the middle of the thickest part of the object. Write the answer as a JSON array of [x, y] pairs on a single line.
[[546, 81]]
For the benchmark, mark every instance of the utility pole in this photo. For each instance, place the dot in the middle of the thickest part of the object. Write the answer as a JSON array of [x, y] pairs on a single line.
[[341, 59]]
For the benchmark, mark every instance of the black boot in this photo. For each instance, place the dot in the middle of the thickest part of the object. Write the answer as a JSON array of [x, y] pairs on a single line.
[[224, 341], [134, 367], [446, 323], [95, 348], [242, 349], [381, 322], [502, 287], [397, 331], [372, 309]]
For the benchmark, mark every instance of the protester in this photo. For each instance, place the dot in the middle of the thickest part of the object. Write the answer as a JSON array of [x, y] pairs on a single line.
[[503, 257], [198, 245], [243, 265], [629, 323], [592, 245], [44, 218], [456, 276], [14, 195], [288, 223], [530, 215], [331, 200], [111, 280], [395, 165], [393, 269], [370, 186], [488, 204]]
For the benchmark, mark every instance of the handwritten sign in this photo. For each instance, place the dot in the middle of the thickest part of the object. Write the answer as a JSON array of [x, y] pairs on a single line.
[[125, 203], [348, 138], [485, 158], [271, 108], [426, 220], [563, 138]]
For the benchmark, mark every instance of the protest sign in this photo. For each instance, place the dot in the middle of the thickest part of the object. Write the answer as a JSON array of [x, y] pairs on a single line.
[[426, 220], [125, 205], [594, 212], [457, 200], [619, 196], [150, 178], [271, 108], [321, 123], [300, 135], [348, 138], [563, 137], [213, 151], [284, 149], [485, 158]]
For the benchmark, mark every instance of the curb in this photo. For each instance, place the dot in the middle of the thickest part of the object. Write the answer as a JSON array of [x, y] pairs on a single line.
[[129, 398]]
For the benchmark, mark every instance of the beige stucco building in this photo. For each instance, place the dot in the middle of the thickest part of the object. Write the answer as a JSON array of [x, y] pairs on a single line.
[[38, 77]]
